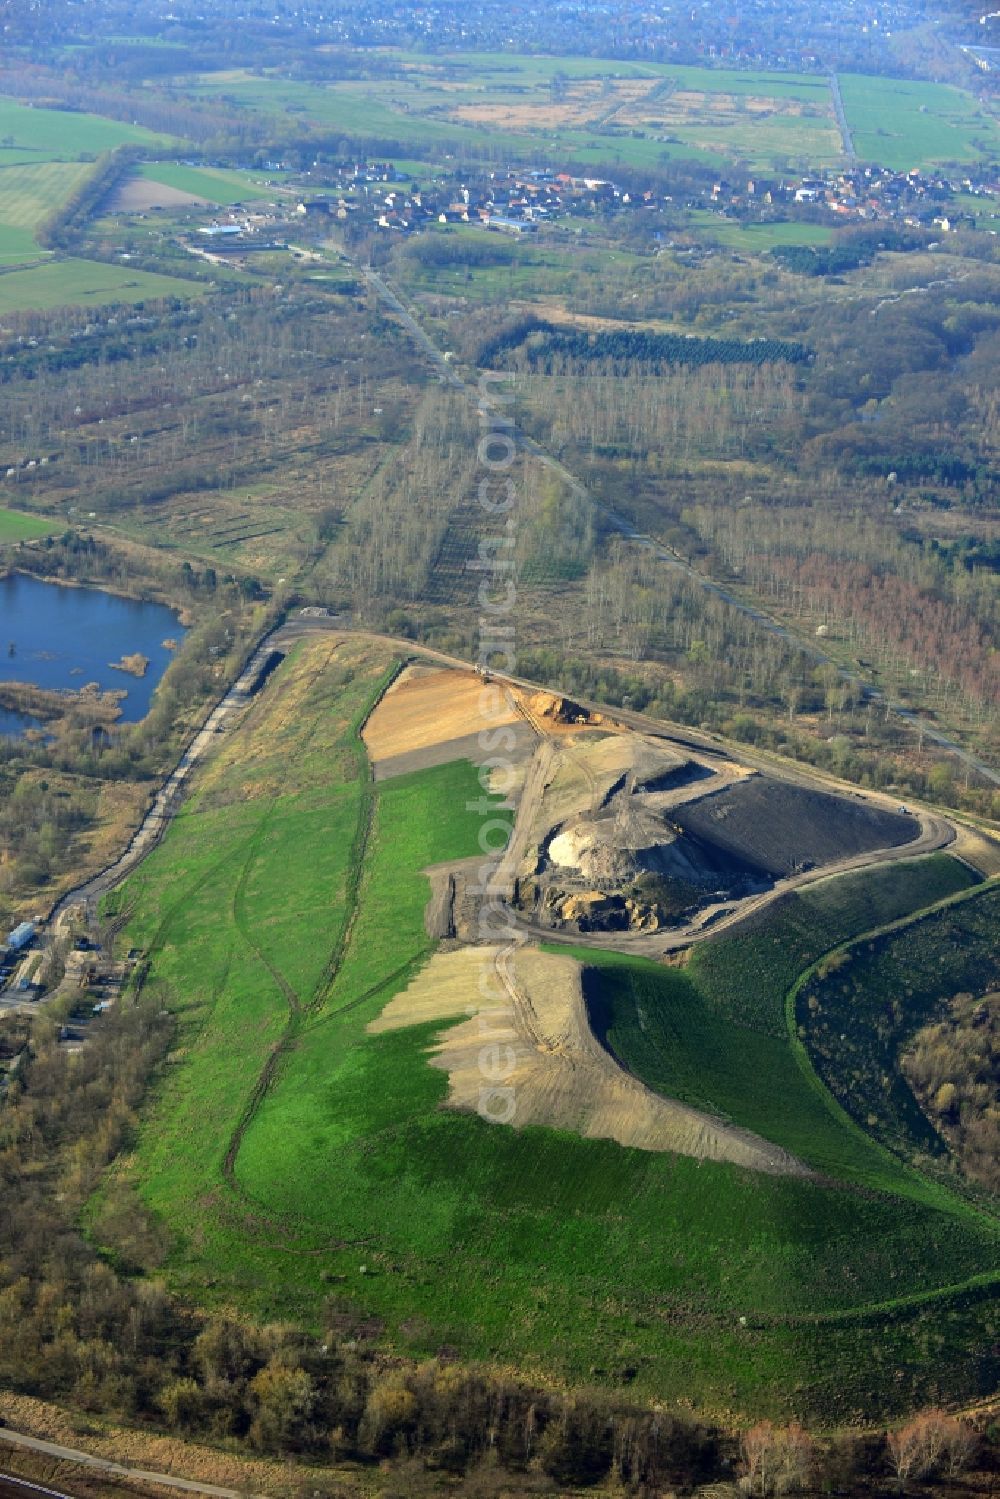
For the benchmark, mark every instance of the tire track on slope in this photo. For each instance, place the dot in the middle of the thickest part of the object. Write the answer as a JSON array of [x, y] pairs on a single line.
[[241, 919], [242, 922], [360, 844]]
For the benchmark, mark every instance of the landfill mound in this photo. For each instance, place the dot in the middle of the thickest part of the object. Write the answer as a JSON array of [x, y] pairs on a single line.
[[629, 835]]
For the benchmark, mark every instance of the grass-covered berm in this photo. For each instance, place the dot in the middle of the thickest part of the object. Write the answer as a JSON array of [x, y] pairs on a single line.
[[292, 1161]]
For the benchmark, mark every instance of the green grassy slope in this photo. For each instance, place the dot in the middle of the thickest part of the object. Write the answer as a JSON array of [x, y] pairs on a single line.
[[715, 1034], [30, 134]]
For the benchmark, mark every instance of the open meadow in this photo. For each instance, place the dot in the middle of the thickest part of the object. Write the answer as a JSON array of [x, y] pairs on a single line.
[[86, 283], [30, 135], [16, 525], [905, 124]]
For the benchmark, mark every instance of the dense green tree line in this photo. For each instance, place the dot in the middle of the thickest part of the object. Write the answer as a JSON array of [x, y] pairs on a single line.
[[625, 350]]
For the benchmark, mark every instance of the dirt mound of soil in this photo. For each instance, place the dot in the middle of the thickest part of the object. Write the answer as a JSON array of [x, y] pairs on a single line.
[[561, 710], [617, 849]]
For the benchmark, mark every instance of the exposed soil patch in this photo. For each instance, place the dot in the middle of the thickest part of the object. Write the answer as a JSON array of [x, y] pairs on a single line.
[[557, 1073], [139, 195], [433, 715], [468, 747], [598, 846]]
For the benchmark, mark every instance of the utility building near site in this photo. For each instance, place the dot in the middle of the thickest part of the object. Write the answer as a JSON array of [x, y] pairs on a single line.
[[21, 937]]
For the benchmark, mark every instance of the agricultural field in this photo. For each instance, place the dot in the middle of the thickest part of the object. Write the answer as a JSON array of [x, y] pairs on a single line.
[[211, 183], [86, 283], [28, 194], [284, 912], [173, 185], [29, 136], [45, 154], [485, 105], [904, 124], [627, 114], [16, 525]]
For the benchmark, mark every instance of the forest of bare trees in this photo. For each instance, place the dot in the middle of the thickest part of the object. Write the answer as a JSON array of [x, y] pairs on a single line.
[[953, 1066]]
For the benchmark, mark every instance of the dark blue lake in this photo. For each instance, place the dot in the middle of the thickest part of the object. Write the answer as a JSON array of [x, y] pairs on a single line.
[[58, 637]]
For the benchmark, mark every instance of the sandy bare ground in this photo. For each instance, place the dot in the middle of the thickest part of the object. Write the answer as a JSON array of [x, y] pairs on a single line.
[[523, 1020], [978, 849], [140, 194], [585, 99], [430, 716], [574, 776], [693, 107]]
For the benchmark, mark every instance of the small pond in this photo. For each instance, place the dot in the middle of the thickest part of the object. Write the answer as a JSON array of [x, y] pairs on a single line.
[[58, 637]]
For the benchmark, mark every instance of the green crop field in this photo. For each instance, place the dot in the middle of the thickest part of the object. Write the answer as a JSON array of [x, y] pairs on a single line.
[[86, 283], [15, 525], [33, 135], [285, 908], [28, 194], [905, 124], [44, 156], [213, 184]]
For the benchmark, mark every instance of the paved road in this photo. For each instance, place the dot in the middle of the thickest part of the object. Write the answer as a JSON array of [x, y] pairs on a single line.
[[170, 796], [102, 1466], [845, 130], [624, 527], [22, 1488]]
